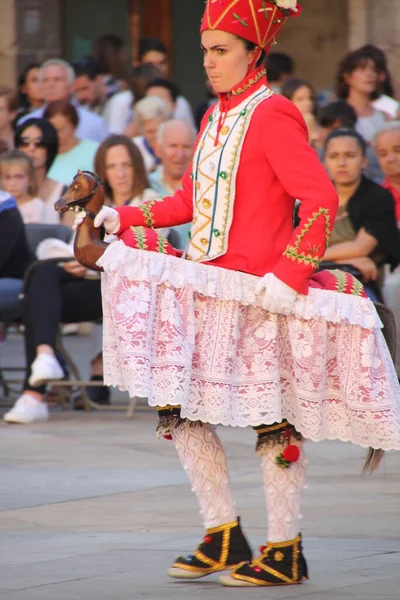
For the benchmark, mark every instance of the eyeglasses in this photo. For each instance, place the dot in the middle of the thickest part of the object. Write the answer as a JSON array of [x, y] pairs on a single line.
[[25, 142]]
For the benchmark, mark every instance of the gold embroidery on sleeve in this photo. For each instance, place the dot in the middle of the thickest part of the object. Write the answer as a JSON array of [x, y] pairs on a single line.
[[312, 257], [148, 215]]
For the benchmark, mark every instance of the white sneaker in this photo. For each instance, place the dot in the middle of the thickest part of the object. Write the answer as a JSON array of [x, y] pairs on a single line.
[[27, 410], [44, 368]]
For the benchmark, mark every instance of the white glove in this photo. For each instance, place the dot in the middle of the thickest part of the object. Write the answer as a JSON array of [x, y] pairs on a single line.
[[278, 297], [78, 220]]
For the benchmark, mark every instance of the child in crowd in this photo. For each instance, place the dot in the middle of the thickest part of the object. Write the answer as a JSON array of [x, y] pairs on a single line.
[[17, 177]]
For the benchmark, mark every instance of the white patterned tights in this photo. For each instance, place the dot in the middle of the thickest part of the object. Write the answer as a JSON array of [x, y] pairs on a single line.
[[203, 458]]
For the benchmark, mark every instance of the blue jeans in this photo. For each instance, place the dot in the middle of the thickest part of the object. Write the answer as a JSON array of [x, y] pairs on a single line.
[[10, 303]]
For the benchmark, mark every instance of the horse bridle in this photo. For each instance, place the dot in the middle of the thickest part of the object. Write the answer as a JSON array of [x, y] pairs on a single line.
[[74, 205]]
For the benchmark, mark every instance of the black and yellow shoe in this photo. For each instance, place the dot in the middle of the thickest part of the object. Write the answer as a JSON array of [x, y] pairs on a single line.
[[280, 563], [223, 548]]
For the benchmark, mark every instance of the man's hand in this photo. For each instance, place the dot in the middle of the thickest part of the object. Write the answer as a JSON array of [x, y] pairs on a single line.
[[74, 268], [364, 264], [278, 297]]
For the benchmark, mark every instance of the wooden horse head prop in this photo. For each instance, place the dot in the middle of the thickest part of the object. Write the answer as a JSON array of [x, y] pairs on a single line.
[[86, 193]]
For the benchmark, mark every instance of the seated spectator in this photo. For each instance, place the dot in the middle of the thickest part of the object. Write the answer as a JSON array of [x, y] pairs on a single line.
[[15, 258], [383, 96], [17, 177], [149, 114], [38, 139], [69, 298], [30, 95], [57, 78], [120, 166], [88, 88], [280, 68], [110, 54], [334, 116], [152, 51], [119, 110], [202, 108], [387, 147], [174, 147], [365, 233], [164, 89], [8, 112], [73, 152], [301, 93]]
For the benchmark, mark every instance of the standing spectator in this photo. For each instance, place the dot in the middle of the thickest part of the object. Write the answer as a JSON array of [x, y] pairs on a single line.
[[357, 79], [149, 114], [73, 152], [17, 177], [38, 139], [30, 95], [280, 67], [174, 147], [153, 51], [15, 257], [88, 88], [110, 54], [8, 112], [57, 78], [336, 115], [383, 96], [387, 147], [119, 110]]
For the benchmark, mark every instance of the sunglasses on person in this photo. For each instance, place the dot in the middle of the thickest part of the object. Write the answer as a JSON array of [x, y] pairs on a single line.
[[25, 142]]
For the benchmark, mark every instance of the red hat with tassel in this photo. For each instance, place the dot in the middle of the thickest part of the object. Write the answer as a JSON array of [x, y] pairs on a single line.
[[258, 21]]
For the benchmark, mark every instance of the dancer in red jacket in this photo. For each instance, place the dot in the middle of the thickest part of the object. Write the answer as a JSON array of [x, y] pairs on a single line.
[[239, 331]]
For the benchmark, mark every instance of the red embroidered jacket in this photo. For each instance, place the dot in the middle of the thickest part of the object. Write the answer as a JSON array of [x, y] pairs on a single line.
[[277, 165]]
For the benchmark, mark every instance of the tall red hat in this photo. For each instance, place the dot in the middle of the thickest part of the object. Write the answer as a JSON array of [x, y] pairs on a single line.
[[258, 21]]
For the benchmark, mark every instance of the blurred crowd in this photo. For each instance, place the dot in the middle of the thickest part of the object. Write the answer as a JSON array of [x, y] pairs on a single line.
[[132, 126]]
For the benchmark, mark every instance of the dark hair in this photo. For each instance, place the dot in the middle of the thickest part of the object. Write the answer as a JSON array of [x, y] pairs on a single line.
[[49, 137], [379, 58], [343, 132], [23, 100], [150, 44], [250, 46], [291, 86], [278, 64], [347, 65], [168, 85], [140, 79], [107, 53], [86, 66], [64, 108], [340, 111], [140, 181]]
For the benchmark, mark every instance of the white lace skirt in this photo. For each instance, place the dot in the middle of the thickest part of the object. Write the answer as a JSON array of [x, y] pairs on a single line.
[[195, 335]]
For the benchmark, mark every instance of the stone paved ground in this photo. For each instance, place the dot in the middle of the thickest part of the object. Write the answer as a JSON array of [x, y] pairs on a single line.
[[93, 506]]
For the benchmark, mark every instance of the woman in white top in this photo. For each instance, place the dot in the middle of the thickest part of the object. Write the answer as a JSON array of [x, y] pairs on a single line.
[[150, 113], [120, 165], [357, 79], [17, 177], [38, 139], [73, 153]]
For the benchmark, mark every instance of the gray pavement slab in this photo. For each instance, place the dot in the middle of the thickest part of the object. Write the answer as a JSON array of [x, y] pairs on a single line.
[[93, 506]]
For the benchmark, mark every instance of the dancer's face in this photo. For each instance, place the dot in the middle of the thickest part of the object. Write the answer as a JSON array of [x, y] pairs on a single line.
[[226, 59]]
